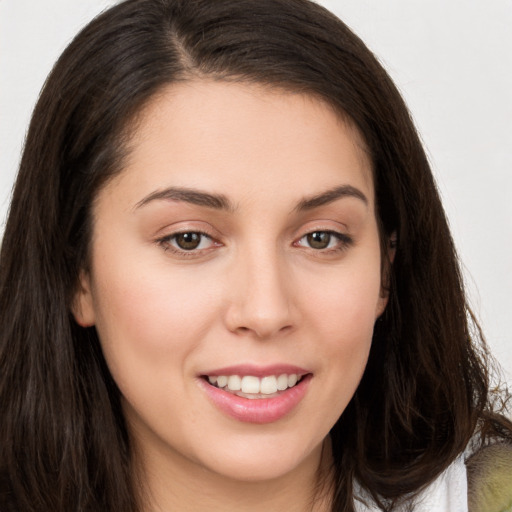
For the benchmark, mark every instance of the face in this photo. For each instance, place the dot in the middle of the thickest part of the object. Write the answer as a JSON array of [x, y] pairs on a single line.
[[235, 277]]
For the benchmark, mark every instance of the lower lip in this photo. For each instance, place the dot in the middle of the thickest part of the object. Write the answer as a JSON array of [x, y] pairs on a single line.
[[258, 410]]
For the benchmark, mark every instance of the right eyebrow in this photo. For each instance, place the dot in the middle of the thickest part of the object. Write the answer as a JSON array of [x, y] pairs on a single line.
[[188, 195]]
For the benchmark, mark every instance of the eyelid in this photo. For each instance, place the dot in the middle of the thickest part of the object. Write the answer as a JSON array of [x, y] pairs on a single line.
[[187, 226], [166, 235], [345, 240], [326, 224]]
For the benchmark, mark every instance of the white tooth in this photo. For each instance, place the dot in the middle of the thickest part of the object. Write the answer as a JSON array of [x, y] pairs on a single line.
[[268, 385], [212, 380], [234, 383], [222, 380], [292, 380], [250, 384], [282, 382]]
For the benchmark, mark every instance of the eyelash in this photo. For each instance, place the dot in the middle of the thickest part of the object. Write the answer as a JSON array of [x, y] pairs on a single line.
[[344, 242], [166, 243]]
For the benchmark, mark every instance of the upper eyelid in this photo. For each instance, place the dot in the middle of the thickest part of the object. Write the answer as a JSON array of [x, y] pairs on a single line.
[[183, 231], [209, 234], [173, 230], [165, 242], [323, 224], [173, 235], [342, 236], [341, 229]]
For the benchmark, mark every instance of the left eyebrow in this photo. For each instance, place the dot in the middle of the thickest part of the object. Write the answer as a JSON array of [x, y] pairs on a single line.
[[333, 194]]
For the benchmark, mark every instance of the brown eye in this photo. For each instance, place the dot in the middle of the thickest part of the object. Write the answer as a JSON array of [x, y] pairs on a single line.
[[319, 239], [325, 242], [188, 241]]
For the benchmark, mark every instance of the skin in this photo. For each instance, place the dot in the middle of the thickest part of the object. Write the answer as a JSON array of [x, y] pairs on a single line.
[[255, 291]]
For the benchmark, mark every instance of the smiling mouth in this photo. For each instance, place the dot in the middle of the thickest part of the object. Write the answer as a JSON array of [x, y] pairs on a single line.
[[253, 387]]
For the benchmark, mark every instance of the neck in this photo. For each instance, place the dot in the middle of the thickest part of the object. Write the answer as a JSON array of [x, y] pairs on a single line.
[[190, 487]]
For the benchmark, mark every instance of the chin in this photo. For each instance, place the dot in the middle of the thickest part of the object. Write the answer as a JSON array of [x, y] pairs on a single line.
[[264, 460]]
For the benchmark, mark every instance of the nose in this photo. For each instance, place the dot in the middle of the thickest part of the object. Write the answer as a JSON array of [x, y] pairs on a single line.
[[261, 302]]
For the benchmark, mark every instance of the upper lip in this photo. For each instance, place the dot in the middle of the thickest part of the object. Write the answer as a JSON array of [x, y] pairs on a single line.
[[257, 371]]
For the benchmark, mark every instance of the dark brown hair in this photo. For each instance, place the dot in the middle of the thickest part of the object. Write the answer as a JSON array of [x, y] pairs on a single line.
[[64, 445]]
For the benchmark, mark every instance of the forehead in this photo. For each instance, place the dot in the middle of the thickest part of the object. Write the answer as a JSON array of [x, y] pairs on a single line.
[[217, 134]]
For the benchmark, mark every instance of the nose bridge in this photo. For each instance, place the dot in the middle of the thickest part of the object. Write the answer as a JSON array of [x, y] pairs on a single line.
[[262, 303]]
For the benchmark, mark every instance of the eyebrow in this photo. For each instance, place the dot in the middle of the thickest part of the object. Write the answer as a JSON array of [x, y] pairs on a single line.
[[333, 194], [188, 195], [221, 202]]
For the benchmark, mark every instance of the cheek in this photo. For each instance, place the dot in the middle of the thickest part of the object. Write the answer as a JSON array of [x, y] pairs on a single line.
[[346, 304], [342, 310], [150, 318], [347, 333]]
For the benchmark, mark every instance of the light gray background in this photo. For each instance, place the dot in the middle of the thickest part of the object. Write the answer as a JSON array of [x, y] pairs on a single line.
[[452, 59]]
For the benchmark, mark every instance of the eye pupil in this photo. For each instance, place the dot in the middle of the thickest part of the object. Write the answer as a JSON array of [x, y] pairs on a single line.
[[188, 241], [319, 239]]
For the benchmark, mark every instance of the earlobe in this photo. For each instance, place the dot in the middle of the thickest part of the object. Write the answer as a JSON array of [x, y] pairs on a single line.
[[382, 303], [82, 306], [391, 250], [386, 277]]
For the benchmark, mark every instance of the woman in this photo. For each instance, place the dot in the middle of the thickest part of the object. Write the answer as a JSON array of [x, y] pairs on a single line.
[[227, 280]]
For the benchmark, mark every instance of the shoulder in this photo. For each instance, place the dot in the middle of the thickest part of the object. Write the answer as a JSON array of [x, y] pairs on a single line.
[[489, 473]]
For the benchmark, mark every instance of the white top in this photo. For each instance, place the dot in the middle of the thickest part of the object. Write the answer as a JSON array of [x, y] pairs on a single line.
[[448, 493]]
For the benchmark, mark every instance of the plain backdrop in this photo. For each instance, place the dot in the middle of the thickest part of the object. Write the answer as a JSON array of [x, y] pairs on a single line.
[[452, 60]]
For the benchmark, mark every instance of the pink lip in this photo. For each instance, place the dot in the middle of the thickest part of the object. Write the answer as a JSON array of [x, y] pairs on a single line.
[[260, 410]]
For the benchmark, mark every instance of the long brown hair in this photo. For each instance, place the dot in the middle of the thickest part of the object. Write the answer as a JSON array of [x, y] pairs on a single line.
[[63, 441]]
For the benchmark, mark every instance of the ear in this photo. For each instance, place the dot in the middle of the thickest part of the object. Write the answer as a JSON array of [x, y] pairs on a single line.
[[83, 306], [386, 274]]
